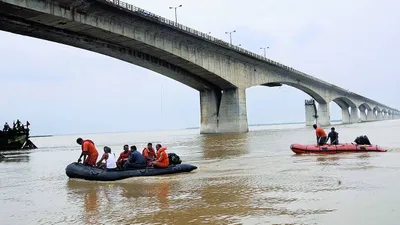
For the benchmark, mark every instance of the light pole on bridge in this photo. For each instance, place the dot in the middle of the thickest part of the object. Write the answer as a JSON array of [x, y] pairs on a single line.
[[176, 15], [230, 35], [265, 52]]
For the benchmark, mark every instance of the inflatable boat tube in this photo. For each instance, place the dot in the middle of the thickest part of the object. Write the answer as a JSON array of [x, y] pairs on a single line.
[[334, 149], [78, 170]]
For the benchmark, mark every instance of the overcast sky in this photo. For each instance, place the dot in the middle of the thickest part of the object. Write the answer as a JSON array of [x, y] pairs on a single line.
[[65, 90]]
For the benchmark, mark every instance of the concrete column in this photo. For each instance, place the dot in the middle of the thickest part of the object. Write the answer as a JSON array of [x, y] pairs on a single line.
[[310, 112], [380, 116], [386, 116], [345, 115], [363, 116], [223, 112], [354, 115], [324, 117], [370, 115]]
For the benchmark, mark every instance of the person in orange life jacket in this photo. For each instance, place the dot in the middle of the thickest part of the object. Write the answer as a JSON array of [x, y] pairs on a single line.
[[123, 157], [162, 160], [321, 135], [149, 154], [136, 160], [110, 162], [89, 150]]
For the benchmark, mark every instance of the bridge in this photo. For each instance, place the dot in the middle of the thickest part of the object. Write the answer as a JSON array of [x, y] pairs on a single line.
[[220, 71]]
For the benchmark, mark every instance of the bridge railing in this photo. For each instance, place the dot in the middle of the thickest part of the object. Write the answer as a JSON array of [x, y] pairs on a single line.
[[205, 36]]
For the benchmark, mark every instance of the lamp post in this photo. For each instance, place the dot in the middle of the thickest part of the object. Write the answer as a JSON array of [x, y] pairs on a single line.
[[230, 35], [265, 53], [176, 16]]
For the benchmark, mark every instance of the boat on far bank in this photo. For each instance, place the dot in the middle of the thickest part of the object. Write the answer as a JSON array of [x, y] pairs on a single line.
[[334, 149], [15, 138]]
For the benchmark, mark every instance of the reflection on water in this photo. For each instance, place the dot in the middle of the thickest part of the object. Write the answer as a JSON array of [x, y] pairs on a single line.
[[221, 146], [15, 156], [251, 178]]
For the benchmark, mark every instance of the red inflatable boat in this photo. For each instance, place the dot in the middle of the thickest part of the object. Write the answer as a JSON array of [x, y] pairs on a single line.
[[333, 149]]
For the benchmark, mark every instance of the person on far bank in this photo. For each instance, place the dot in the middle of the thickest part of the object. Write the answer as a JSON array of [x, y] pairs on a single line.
[[89, 151], [111, 162], [136, 160], [333, 136], [321, 135], [162, 160]]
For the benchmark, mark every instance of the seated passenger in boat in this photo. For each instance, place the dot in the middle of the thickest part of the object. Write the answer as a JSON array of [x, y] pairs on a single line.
[[321, 135], [333, 136], [136, 160], [149, 154], [110, 159], [89, 151], [162, 160], [123, 157]]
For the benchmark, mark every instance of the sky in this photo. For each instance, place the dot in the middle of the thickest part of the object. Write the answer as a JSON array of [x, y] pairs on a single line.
[[65, 90]]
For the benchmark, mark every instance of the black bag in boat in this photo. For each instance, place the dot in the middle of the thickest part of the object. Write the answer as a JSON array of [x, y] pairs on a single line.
[[362, 140], [174, 159]]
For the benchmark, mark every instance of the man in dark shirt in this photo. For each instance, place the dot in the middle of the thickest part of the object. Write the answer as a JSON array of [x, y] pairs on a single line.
[[136, 160], [333, 136]]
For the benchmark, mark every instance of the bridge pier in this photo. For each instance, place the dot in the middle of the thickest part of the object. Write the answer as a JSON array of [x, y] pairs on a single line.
[[379, 116], [354, 115], [324, 117], [223, 111], [310, 112], [363, 116], [370, 115], [386, 116], [345, 115]]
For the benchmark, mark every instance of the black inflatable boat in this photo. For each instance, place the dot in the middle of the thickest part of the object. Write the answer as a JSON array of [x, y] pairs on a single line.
[[78, 170]]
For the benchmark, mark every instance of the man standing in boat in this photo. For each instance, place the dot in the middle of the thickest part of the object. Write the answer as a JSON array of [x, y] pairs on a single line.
[[89, 150], [321, 135], [6, 127], [333, 136]]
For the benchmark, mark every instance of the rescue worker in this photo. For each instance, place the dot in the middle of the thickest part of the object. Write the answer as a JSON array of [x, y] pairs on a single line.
[[321, 135], [136, 160], [162, 160], [149, 154], [333, 136], [123, 157], [89, 150], [111, 162]]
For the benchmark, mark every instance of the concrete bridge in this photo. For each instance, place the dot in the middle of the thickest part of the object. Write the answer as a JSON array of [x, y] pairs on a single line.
[[221, 72]]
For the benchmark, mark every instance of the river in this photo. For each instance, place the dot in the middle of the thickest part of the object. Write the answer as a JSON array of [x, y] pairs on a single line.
[[251, 178]]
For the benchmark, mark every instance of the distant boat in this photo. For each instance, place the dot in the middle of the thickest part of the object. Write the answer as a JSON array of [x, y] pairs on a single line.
[[15, 139]]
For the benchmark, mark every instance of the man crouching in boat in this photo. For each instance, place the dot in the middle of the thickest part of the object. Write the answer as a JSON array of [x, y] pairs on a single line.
[[149, 154], [162, 160], [110, 163], [136, 160], [321, 135], [89, 150]]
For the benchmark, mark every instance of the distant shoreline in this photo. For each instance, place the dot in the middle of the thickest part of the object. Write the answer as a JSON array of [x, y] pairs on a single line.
[[266, 124], [36, 136]]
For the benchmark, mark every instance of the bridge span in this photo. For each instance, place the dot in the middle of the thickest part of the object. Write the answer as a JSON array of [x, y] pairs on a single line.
[[221, 72]]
